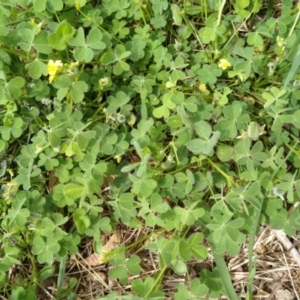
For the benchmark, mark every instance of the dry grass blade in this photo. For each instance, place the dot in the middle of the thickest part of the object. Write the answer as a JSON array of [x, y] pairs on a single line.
[[93, 273]]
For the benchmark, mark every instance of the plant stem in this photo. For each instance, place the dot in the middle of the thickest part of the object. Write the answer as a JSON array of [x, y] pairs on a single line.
[[228, 178], [158, 279], [296, 19], [220, 12]]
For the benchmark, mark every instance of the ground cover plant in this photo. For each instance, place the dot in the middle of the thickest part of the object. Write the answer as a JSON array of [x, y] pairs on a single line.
[[144, 137]]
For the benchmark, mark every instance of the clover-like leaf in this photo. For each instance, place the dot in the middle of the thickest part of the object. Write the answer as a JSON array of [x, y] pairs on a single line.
[[206, 142], [225, 234], [84, 47], [63, 33], [212, 30], [209, 73], [74, 190], [142, 288]]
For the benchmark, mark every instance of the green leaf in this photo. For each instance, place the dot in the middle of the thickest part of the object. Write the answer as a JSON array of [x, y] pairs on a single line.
[[182, 293], [212, 30], [41, 43], [179, 267], [82, 222], [198, 288], [159, 6], [167, 252], [254, 39], [46, 272], [184, 250], [45, 250], [84, 51], [84, 54], [77, 91], [204, 146], [36, 69], [275, 96], [74, 191], [120, 273], [18, 214], [242, 3], [40, 6], [58, 40], [133, 265], [27, 35], [224, 153], [79, 39], [161, 112], [94, 38], [158, 22], [209, 73], [142, 288], [136, 47], [126, 207]]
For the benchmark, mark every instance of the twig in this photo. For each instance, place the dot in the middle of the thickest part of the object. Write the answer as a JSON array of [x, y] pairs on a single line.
[[281, 236]]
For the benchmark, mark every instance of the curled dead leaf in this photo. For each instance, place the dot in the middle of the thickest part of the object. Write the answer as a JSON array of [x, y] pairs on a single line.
[[98, 259]]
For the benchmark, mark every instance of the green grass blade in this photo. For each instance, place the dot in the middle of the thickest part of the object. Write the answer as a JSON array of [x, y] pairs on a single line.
[[252, 235], [61, 273], [226, 278], [294, 68]]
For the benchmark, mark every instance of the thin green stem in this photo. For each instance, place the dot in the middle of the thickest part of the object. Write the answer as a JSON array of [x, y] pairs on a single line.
[[229, 180], [220, 12], [296, 20], [100, 27], [156, 282], [164, 269], [188, 23]]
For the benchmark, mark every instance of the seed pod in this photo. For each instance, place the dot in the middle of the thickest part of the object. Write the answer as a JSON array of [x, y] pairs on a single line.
[[177, 18], [253, 131]]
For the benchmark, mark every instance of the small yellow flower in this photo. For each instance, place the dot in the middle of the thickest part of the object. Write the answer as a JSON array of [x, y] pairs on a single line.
[[224, 64], [32, 22], [77, 5], [202, 87], [53, 68], [51, 78]]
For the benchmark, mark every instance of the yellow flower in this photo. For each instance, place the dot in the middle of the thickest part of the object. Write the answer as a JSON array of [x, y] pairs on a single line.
[[202, 87], [224, 64], [77, 5], [32, 22], [53, 68]]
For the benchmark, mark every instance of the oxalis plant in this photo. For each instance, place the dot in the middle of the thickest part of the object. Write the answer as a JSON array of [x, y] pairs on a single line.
[[178, 118]]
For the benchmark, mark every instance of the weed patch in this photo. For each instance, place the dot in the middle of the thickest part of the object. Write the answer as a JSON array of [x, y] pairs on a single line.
[[140, 139]]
